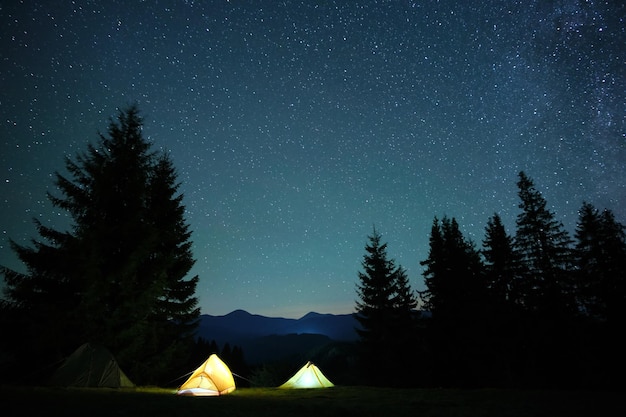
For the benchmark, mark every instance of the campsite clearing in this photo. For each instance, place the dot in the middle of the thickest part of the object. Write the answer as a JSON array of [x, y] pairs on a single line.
[[337, 401]]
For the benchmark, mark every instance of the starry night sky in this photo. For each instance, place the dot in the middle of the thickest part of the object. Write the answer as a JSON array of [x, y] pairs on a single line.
[[296, 126]]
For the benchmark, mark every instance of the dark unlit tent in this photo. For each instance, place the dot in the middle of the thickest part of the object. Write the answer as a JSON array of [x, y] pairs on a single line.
[[90, 366]]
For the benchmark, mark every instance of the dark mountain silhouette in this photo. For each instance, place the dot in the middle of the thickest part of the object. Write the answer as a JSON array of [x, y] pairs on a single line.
[[240, 324], [265, 339]]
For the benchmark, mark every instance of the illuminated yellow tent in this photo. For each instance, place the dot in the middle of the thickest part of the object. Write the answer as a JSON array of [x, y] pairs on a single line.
[[211, 378], [309, 376]]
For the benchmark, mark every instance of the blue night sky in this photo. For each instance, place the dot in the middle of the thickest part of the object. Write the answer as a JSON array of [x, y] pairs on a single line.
[[296, 126]]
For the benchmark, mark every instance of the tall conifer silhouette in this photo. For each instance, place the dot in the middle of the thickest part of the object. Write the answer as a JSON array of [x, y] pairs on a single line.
[[118, 277]]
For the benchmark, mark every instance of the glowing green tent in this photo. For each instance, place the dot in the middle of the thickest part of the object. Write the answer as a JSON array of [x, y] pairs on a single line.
[[309, 376]]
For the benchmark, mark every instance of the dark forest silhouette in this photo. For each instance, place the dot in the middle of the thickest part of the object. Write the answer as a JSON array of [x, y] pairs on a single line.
[[536, 308]]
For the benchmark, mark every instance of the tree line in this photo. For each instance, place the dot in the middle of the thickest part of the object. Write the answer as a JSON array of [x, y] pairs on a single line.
[[536, 308]]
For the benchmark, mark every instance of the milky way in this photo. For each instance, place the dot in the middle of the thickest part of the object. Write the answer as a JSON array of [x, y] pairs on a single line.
[[298, 126]]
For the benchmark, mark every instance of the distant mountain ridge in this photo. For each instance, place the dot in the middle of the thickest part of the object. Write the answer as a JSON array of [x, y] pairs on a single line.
[[240, 324], [269, 338]]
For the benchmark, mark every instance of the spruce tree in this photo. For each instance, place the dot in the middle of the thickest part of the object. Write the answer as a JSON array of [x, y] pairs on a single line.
[[504, 316], [376, 291], [453, 274], [501, 264], [601, 262], [547, 290], [385, 312], [120, 271], [455, 295], [545, 250], [601, 279], [172, 321], [435, 268], [404, 301]]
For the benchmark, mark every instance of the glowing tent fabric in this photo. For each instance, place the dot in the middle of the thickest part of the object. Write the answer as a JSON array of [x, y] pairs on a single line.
[[309, 376], [211, 378]]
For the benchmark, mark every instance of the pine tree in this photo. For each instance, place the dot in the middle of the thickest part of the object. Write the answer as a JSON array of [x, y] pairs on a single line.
[[601, 278], [376, 292], [384, 310], [453, 274], [545, 250], [435, 268], [456, 297], [173, 318], [404, 301], [501, 263], [504, 318], [120, 271], [601, 262], [547, 290], [409, 339]]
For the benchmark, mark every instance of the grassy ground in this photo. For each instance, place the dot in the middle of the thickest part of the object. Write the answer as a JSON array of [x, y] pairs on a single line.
[[337, 401]]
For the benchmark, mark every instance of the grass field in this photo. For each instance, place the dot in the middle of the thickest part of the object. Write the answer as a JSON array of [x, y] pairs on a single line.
[[337, 401]]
